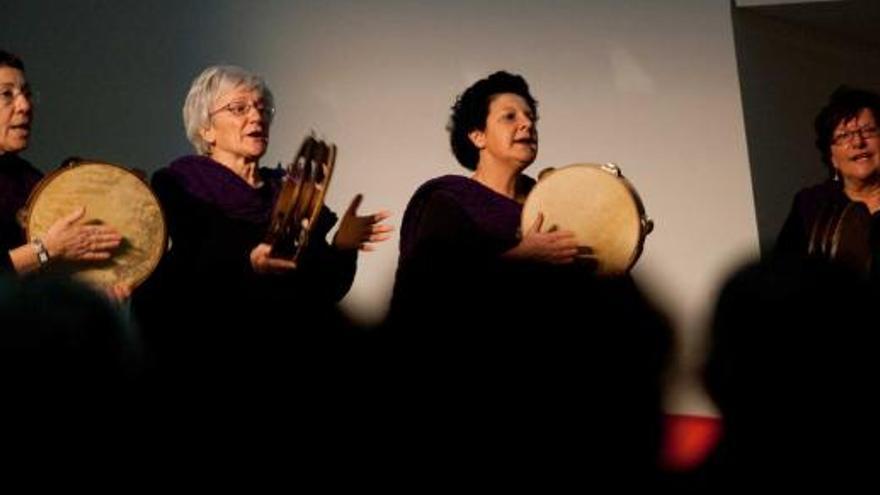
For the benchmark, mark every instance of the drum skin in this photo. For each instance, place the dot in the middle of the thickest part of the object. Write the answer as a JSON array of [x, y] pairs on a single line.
[[114, 196], [599, 206]]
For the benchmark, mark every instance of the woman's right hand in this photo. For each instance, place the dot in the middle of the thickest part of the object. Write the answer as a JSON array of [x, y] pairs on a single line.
[[68, 240], [557, 246], [262, 263]]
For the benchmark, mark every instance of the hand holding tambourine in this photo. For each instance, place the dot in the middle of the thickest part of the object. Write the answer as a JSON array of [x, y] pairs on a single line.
[[599, 206]]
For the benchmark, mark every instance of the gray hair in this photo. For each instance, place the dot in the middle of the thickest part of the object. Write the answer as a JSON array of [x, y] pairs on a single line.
[[204, 91]]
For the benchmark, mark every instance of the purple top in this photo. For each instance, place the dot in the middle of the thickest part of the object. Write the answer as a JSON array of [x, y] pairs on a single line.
[[491, 220], [452, 237], [214, 184]]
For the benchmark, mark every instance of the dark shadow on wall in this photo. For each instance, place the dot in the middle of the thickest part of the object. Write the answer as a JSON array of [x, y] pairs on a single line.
[[790, 58], [112, 75]]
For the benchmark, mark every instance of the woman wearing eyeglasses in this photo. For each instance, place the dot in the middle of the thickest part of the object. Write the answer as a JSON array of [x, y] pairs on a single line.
[[218, 275], [66, 240], [838, 219]]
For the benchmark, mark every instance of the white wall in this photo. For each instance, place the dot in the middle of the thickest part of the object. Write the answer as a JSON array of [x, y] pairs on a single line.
[[756, 3], [649, 85]]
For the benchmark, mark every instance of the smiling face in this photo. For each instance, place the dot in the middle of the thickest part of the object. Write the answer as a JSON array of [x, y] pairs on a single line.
[[510, 138], [854, 149], [15, 111], [238, 130]]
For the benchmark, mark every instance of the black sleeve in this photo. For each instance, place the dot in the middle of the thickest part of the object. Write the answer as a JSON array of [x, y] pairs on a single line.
[[209, 246], [444, 260], [446, 234], [6, 263], [331, 270]]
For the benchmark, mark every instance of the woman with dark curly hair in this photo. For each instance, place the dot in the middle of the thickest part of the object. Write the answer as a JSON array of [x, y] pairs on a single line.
[[485, 320], [838, 218], [460, 236]]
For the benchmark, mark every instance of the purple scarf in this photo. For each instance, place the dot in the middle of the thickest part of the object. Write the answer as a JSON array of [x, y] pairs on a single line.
[[214, 184], [497, 217]]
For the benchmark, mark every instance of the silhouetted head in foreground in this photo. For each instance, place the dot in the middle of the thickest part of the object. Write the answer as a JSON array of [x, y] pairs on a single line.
[[791, 369], [59, 337]]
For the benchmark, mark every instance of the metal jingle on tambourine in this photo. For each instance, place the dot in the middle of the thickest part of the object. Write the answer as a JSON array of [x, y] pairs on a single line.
[[301, 198]]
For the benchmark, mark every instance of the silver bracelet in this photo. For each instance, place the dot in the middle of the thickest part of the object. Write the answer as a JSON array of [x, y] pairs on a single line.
[[40, 249]]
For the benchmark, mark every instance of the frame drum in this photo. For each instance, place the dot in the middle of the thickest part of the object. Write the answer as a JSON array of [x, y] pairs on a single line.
[[602, 209], [114, 196]]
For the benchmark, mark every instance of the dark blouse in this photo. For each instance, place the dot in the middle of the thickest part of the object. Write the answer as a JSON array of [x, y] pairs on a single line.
[[455, 217], [205, 288], [17, 179], [809, 203], [453, 234], [474, 333]]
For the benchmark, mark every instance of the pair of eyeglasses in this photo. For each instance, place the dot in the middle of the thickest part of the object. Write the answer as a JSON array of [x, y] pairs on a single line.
[[850, 136], [9, 94], [242, 108]]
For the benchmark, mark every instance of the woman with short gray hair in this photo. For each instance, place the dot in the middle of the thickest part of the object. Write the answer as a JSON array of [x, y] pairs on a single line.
[[220, 275], [205, 90]]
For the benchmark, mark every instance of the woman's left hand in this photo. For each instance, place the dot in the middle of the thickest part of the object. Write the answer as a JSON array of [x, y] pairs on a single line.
[[361, 232]]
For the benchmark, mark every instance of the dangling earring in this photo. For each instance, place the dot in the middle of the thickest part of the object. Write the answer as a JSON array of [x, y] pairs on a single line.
[[836, 177]]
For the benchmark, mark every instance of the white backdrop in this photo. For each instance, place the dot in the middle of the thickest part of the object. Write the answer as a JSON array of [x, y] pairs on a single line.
[[649, 85]]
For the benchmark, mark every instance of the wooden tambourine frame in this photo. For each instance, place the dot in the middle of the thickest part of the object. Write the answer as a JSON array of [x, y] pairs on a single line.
[[301, 198]]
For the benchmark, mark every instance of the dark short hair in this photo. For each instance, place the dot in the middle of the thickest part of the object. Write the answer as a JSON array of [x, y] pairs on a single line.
[[10, 60], [843, 105], [471, 109]]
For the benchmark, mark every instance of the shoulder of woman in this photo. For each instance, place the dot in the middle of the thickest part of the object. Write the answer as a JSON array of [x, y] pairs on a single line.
[[191, 164], [443, 192], [452, 184], [436, 202], [824, 192], [163, 178], [196, 174], [16, 165]]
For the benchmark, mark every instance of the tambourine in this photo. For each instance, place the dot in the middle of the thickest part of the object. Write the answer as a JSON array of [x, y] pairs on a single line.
[[111, 195], [301, 198], [841, 233], [600, 206]]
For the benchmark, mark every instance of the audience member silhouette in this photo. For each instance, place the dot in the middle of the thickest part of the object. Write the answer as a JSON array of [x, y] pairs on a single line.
[[71, 366], [564, 384], [791, 369]]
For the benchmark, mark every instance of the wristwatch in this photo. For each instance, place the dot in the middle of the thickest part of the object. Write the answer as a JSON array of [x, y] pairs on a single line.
[[40, 249]]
